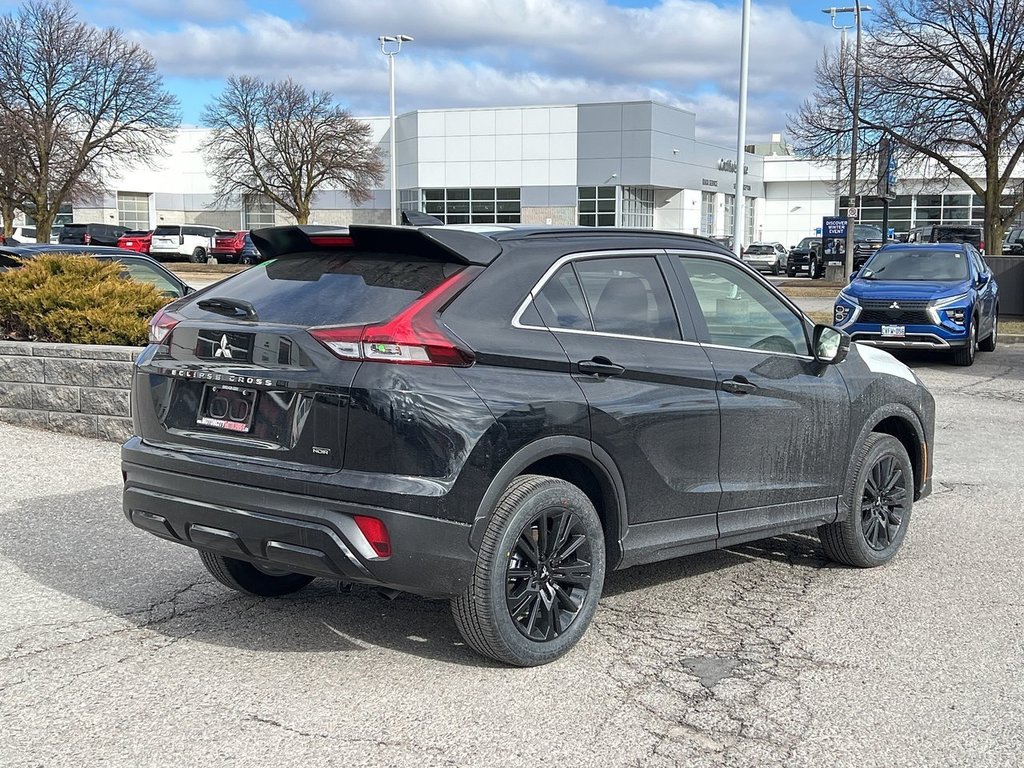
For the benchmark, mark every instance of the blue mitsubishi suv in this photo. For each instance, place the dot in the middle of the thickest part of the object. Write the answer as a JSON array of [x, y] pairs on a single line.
[[939, 296]]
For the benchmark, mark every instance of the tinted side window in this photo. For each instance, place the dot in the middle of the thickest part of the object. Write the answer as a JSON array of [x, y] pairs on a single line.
[[628, 296], [739, 311], [561, 303], [144, 273]]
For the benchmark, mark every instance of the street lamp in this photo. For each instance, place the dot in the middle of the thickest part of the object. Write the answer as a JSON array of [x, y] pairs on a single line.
[[389, 46], [857, 9], [741, 134]]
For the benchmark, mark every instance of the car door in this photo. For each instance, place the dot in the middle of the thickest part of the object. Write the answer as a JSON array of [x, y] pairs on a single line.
[[785, 417], [650, 391]]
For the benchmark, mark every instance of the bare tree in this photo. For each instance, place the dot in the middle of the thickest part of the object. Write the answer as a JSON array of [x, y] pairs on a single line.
[[945, 80], [281, 141], [85, 97]]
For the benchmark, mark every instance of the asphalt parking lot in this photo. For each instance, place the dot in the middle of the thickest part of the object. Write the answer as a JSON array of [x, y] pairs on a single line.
[[117, 648]]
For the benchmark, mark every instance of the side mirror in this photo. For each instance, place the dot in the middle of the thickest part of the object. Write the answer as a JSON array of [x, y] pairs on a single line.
[[853, 275], [830, 344]]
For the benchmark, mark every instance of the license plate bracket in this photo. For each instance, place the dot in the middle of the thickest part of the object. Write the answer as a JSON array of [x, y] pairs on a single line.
[[228, 408], [894, 331]]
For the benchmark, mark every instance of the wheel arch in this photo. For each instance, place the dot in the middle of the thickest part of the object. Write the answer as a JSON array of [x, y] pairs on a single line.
[[575, 460], [902, 423]]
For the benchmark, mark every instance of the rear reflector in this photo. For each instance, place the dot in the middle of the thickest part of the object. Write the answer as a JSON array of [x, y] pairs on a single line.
[[415, 336], [376, 534]]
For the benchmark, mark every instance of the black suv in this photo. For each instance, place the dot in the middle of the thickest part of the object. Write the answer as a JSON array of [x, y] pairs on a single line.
[[499, 417], [91, 234], [806, 256]]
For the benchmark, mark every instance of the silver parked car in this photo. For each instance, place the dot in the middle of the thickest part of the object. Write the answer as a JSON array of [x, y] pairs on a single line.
[[766, 257]]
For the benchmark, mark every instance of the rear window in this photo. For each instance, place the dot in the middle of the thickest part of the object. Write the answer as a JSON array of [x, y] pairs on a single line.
[[333, 289], [167, 230], [74, 227], [957, 235], [225, 233], [756, 249]]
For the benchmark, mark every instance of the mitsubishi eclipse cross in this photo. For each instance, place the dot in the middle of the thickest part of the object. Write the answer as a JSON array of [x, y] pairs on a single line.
[[499, 416]]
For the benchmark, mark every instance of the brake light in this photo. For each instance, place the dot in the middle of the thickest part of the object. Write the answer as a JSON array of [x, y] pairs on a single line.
[[981, 245], [86, 238], [331, 241], [376, 533], [414, 336], [161, 325]]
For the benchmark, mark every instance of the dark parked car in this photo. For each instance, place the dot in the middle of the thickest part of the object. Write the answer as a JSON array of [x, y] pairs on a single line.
[[949, 233], [939, 296], [136, 265], [806, 257], [499, 418], [235, 247], [1013, 242], [91, 234]]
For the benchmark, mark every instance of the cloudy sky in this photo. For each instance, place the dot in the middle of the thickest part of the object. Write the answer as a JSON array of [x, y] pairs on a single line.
[[489, 52]]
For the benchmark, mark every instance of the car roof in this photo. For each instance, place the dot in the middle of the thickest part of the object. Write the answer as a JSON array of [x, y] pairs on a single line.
[[470, 244], [923, 246]]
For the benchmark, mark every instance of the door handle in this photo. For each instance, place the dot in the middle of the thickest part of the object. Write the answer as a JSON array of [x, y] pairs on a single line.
[[738, 386], [599, 366]]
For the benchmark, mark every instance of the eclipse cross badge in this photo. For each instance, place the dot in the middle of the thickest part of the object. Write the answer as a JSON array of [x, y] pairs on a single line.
[[894, 305], [224, 350]]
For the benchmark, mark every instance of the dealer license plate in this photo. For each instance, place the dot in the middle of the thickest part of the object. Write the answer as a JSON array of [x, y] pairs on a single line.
[[894, 331], [227, 408]]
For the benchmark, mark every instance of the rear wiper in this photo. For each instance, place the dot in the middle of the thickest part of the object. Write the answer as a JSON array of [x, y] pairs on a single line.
[[230, 307]]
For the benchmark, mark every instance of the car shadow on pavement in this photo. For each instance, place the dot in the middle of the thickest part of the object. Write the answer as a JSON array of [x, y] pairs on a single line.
[[82, 546]]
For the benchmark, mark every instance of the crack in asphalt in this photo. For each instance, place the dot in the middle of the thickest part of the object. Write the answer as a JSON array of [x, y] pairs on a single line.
[[717, 682]]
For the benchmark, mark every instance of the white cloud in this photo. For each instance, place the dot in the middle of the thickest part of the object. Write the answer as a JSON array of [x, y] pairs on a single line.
[[509, 52]]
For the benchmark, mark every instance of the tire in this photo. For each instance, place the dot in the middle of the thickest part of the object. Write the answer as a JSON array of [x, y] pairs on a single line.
[[775, 268], [246, 258], [246, 577], [790, 273], [989, 343], [814, 269], [505, 612], [965, 355], [871, 527], [198, 256]]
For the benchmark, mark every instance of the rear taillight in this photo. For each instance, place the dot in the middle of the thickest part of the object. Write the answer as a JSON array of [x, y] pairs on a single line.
[[376, 534], [415, 336], [981, 246], [86, 238], [161, 325]]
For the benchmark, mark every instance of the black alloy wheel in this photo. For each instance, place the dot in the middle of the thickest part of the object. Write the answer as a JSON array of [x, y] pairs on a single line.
[[883, 503], [539, 574], [875, 507], [548, 575], [198, 256]]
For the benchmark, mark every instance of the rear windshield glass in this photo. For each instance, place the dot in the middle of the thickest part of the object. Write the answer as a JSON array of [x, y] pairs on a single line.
[[957, 235], [332, 289], [866, 232], [74, 227], [916, 264], [167, 230], [760, 249]]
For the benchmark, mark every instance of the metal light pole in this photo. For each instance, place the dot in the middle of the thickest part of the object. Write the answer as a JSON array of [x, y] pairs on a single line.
[[741, 133], [390, 45], [857, 9]]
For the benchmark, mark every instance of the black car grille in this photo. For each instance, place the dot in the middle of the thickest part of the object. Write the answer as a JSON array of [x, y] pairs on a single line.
[[888, 304], [898, 316]]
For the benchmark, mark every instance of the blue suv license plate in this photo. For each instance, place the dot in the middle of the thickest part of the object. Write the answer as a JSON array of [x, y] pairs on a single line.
[[227, 408], [894, 331]]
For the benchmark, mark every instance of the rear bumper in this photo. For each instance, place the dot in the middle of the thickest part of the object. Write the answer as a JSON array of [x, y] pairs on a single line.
[[302, 534]]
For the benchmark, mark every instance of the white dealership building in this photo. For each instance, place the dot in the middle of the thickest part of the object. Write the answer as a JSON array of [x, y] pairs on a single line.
[[634, 164]]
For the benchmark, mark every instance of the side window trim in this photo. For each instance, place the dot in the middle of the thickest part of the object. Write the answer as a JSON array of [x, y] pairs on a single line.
[[670, 278]]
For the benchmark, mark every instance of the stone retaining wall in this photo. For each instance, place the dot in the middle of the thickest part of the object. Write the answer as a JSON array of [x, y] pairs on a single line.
[[81, 389]]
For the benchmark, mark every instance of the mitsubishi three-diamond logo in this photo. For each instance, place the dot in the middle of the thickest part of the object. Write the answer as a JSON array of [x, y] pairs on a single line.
[[224, 350], [894, 305]]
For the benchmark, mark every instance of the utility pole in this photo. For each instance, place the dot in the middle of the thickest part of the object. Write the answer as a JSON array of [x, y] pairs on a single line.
[[741, 134], [390, 45]]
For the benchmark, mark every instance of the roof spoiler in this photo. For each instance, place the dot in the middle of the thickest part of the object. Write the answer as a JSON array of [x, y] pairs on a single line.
[[433, 242]]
